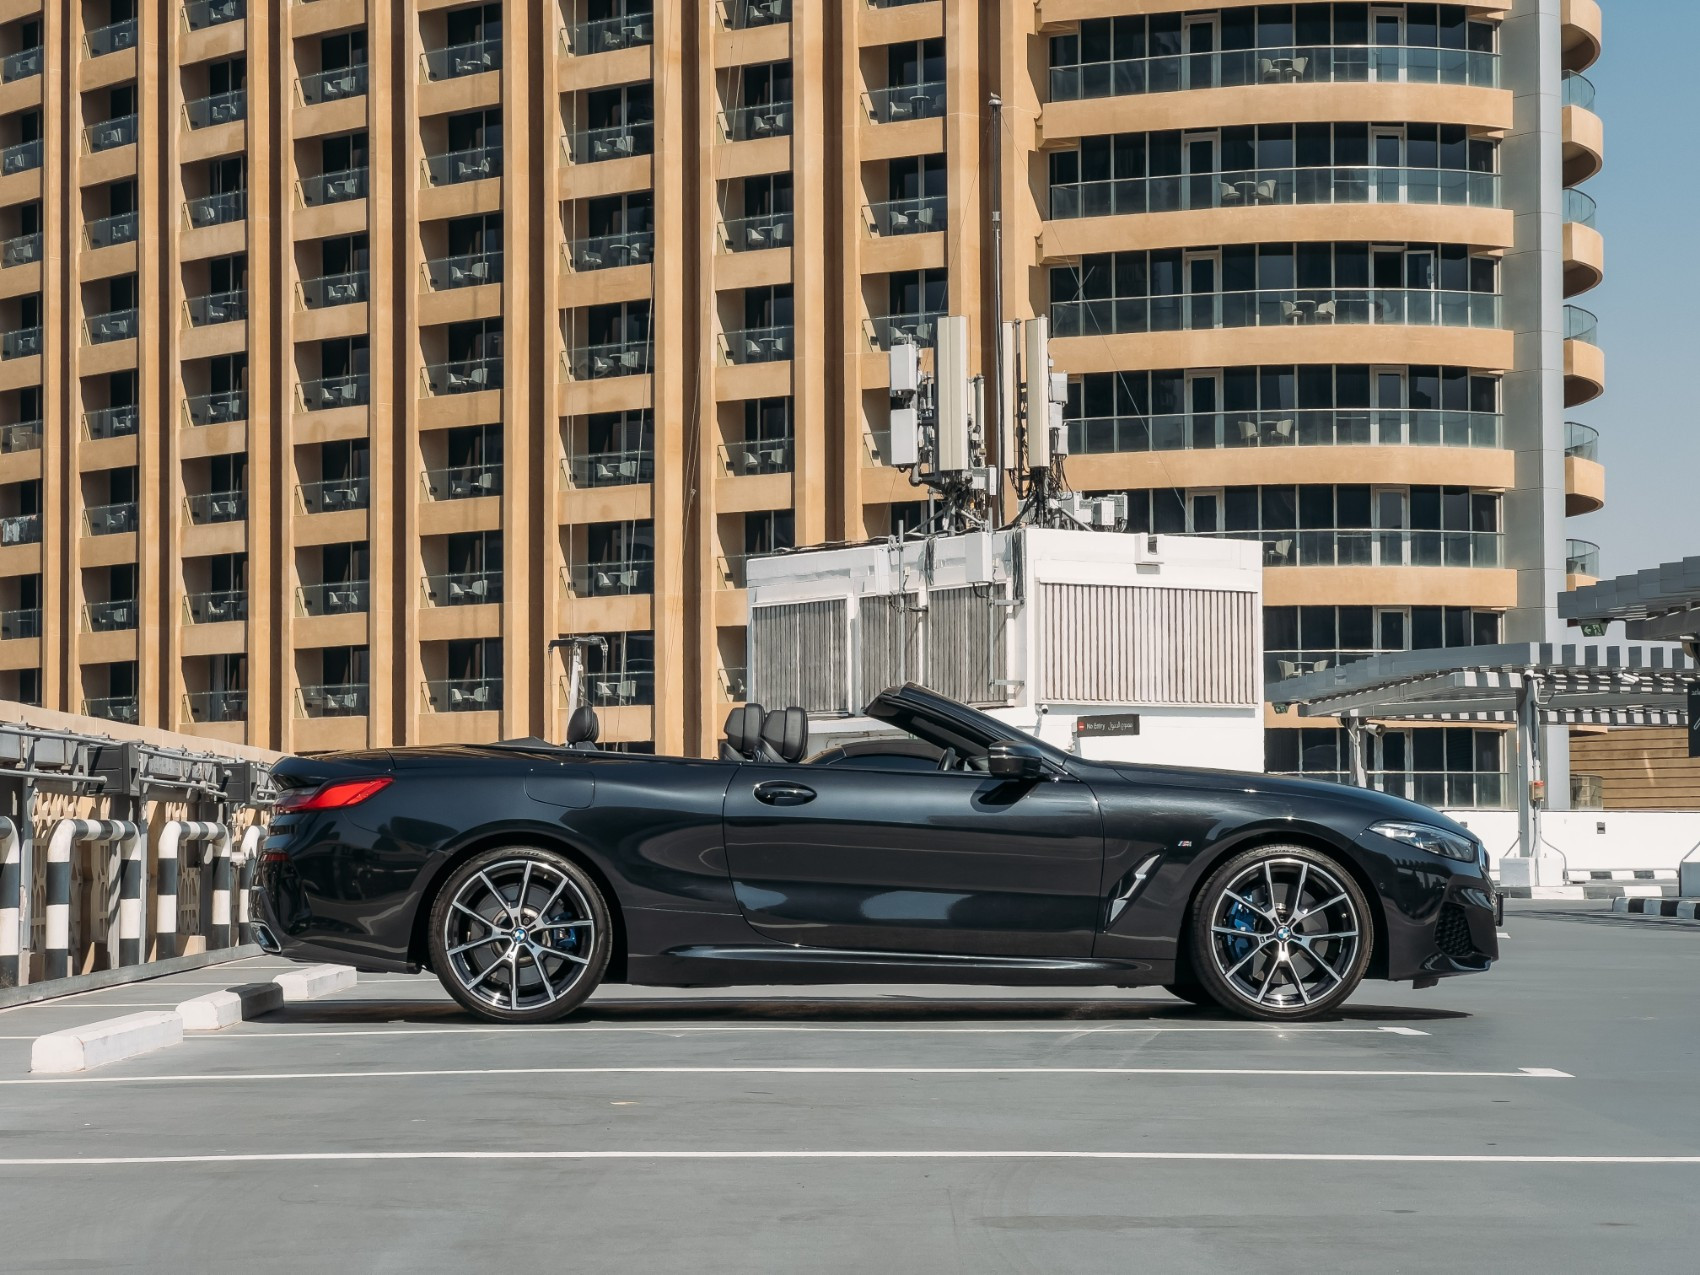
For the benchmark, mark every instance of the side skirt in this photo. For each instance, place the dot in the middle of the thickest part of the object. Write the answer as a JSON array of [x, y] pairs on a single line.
[[756, 965]]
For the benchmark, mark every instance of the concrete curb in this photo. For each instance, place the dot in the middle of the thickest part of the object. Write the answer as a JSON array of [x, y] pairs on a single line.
[[48, 990], [217, 1010], [110, 1040], [1684, 909], [315, 981]]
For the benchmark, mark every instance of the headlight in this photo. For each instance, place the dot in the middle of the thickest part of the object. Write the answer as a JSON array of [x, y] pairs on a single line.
[[1427, 837]]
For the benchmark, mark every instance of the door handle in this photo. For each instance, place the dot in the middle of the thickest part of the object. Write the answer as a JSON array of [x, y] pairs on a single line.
[[780, 793]]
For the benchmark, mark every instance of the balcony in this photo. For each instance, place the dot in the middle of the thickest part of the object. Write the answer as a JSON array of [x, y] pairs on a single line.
[[353, 390], [613, 358], [209, 507], [113, 708], [905, 102], [1265, 187], [218, 408], [1579, 207], [614, 578], [1581, 558], [470, 271], [463, 482], [905, 216], [620, 688], [739, 15], [1278, 307], [1287, 427], [216, 210], [333, 290], [757, 345], [109, 232], [220, 108], [113, 422], [753, 234], [111, 39], [606, 35], [464, 695], [337, 699], [1581, 325], [110, 520], [21, 436], [20, 343], [1581, 442], [1577, 89], [201, 14], [334, 495], [758, 456], [109, 617], [111, 134], [886, 330], [752, 123], [20, 65], [609, 469], [217, 307], [607, 252], [225, 606], [20, 529], [20, 625], [463, 588], [347, 597], [21, 250], [462, 376], [332, 188], [730, 568], [734, 684], [333, 85], [463, 166], [20, 158], [1275, 64], [594, 145], [216, 706], [462, 59], [1376, 548], [116, 325]]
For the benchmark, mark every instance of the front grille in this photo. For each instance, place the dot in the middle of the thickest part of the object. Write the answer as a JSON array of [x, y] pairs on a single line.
[[1452, 932]]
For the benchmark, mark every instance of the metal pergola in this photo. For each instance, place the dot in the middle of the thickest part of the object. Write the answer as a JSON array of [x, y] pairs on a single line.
[[1661, 603]]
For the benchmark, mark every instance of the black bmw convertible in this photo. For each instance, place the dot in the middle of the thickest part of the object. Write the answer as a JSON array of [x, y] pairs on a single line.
[[945, 847]]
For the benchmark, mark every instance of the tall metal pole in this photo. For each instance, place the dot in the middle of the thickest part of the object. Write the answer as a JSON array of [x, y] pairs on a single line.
[[994, 142]]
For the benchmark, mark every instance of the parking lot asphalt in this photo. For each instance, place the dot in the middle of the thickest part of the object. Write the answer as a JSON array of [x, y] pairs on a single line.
[[1545, 1117]]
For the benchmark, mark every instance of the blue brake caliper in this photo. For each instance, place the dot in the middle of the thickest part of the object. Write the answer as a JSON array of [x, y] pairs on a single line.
[[1241, 918]]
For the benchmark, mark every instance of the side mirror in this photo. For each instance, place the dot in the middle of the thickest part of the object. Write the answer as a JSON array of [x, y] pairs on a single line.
[[1008, 759]]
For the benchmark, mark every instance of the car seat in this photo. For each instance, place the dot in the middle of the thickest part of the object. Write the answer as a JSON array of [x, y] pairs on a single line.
[[785, 735], [583, 729], [743, 733]]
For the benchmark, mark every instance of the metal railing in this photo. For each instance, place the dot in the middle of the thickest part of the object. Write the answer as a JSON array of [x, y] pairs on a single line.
[[899, 102], [20, 65], [20, 436], [1577, 90], [20, 157], [1254, 187], [467, 271], [20, 529], [216, 210], [20, 624], [605, 252], [224, 606], [20, 343], [731, 570], [470, 165], [336, 699], [21, 250], [107, 232], [333, 84], [1275, 64], [217, 108], [734, 683], [201, 14], [620, 688], [333, 495], [1581, 558], [609, 469], [462, 59], [1285, 427], [462, 376], [332, 188], [217, 307], [612, 358], [113, 422], [113, 708], [1581, 325], [918, 329], [1581, 441], [216, 409], [111, 134], [110, 520], [346, 597], [117, 325], [757, 345], [329, 290], [114, 616], [605, 35], [906, 216], [462, 482], [758, 456], [111, 39], [463, 695], [752, 234], [353, 390], [617, 141], [1579, 206], [462, 588], [1277, 307], [610, 579], [751, 123], [207, 507], [1375, 548], [216, 706], [893, 4], [738, 15]]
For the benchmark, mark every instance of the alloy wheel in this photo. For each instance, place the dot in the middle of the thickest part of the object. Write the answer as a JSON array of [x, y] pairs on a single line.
[[518, 935], [1285, 934]]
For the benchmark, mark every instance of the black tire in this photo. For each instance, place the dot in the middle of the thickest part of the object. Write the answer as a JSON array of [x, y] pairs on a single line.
[[1192, 994], [536, 965], [1280, 933]]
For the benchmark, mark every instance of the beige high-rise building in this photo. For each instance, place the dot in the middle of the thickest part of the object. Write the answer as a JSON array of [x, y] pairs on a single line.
[[354, 349]]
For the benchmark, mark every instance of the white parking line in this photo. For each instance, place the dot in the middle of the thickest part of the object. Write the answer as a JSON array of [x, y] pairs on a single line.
[[824, 1030], [1289, 1157], [1522, 1073]]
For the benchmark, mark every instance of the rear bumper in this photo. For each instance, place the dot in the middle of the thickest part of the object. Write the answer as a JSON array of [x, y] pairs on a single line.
[[319, 948]]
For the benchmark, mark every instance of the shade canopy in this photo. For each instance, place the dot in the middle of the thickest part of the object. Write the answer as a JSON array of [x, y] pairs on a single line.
[[1660, 603]]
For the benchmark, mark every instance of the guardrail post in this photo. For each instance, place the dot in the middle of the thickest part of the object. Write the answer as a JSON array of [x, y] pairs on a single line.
[[11, 902], [132, 876], [218, 934], [57, 957], [165, 908]]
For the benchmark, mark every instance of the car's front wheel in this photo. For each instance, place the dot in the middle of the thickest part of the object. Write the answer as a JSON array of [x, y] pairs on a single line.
[[1280, 932], [519, 935]]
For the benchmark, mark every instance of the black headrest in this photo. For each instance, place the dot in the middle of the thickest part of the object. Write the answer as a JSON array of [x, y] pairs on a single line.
[[743, 729], [582, 727], [786, 732]]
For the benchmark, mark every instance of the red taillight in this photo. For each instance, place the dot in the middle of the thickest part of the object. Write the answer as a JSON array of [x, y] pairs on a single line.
[[334, 795]]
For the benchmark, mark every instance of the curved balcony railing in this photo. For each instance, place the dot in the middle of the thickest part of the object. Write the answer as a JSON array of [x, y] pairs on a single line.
[[610, 579], [113, 708], [1579, 206], [752, 234], [463, 695], [883, 331], [606, 35], [757, 345], [462, 376], [751, 123], [21, 250], [458, 60], [1259, 187], [1581, 325], [1581, 558], [463, 482], [219, 108], [757, 456], [118, 325], [218, 408], [224, 606], [1277, 307], [110, 520], [20, 436], [216, 210], [463, 166], [332, 188], [198, 15], [336, 699], [20, 157], [20, 529], [20, 624], [111, 134], [1275, 64], [108, 232], [467, 271], [20, 343], [1581, 441], [334, 495], [1375, 548], [907, 216], [113, 422], [20, 65], [1577, 90], [609, 469], [901, 102], [208, 507], [216, 706], [1293, 427], [109, 617], [333, 85], [617, 141], [346, 597], [353, 390], [606, 252], [613, 358], [462, 588], [334, 289], [217, 307], [111, 39]]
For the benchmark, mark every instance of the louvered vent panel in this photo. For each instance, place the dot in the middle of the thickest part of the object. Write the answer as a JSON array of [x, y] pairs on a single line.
[[798, 656]]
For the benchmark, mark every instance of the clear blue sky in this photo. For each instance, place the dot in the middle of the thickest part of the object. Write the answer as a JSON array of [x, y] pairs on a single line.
[[1649, 305]]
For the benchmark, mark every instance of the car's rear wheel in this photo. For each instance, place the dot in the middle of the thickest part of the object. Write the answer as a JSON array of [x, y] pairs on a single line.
[[520, 935], [1280, 932]]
